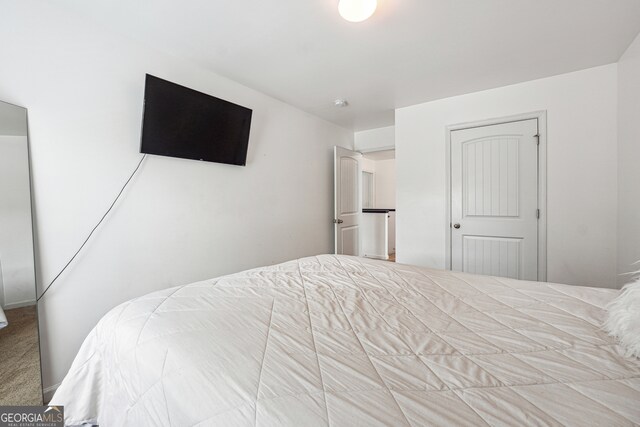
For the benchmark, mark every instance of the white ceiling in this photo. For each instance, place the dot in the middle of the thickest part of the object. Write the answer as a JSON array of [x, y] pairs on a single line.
[[411, 51]]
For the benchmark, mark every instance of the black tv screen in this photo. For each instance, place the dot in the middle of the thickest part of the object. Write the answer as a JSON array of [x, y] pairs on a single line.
[[182, 122]]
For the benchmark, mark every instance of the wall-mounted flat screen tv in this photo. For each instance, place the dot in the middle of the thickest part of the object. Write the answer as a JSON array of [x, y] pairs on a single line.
[[182, 122]]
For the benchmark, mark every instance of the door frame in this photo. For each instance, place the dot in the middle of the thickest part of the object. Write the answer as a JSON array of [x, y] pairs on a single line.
[[541, 116]]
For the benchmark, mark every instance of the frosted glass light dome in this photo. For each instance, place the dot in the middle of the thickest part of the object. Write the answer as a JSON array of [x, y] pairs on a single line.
[[357, 10]]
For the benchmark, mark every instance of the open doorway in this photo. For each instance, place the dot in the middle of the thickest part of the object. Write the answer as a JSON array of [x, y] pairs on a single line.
[[365, 203], [378, 231]]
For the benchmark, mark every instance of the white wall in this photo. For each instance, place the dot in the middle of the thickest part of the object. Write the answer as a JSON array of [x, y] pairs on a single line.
[[385, 178], [16, 238], [582, 164], [385, 181], [368, 165], [629, 161], [375, 139], [180, 221]]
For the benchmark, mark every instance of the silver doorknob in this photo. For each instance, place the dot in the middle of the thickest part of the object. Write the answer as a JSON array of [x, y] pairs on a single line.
[[456, 226]]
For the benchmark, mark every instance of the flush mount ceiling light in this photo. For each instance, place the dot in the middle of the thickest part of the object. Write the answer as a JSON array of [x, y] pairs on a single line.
[[341, 103], [357, 10]]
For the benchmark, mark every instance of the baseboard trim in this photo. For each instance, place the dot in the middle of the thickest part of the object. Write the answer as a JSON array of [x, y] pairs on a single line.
[[19, 304], [48, 393]]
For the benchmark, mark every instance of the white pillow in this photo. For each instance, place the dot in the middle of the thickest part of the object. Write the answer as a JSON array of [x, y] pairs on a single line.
[[623, 319]]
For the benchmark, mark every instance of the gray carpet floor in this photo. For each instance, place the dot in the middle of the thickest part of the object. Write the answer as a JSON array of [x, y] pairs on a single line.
[[20, 382]]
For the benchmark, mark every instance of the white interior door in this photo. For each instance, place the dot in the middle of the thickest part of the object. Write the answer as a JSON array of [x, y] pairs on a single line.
[[494, 200], [348, 201]]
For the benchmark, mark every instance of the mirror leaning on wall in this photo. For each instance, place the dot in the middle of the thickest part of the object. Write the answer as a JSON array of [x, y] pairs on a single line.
[[20, 377]]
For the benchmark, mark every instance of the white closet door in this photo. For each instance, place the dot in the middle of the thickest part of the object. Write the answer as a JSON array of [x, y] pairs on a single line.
[[494, 200]]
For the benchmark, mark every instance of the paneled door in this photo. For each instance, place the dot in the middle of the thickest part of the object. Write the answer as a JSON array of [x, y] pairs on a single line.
[[348, 201], [494, 200]]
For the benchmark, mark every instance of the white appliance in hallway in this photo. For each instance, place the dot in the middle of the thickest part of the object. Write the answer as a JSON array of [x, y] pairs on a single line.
[[378, 233], [494, 200]]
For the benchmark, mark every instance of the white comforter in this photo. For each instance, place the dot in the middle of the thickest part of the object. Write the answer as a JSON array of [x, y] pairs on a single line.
[[343, 341]]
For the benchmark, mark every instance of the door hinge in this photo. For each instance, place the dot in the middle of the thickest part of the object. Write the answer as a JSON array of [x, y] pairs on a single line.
[[538, 213], [537, 137]]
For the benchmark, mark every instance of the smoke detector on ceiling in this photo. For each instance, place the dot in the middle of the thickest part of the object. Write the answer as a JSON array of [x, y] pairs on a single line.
[[341, 103]]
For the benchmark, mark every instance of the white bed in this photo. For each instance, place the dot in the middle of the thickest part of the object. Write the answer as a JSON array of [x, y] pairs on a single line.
[[344, 341]]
